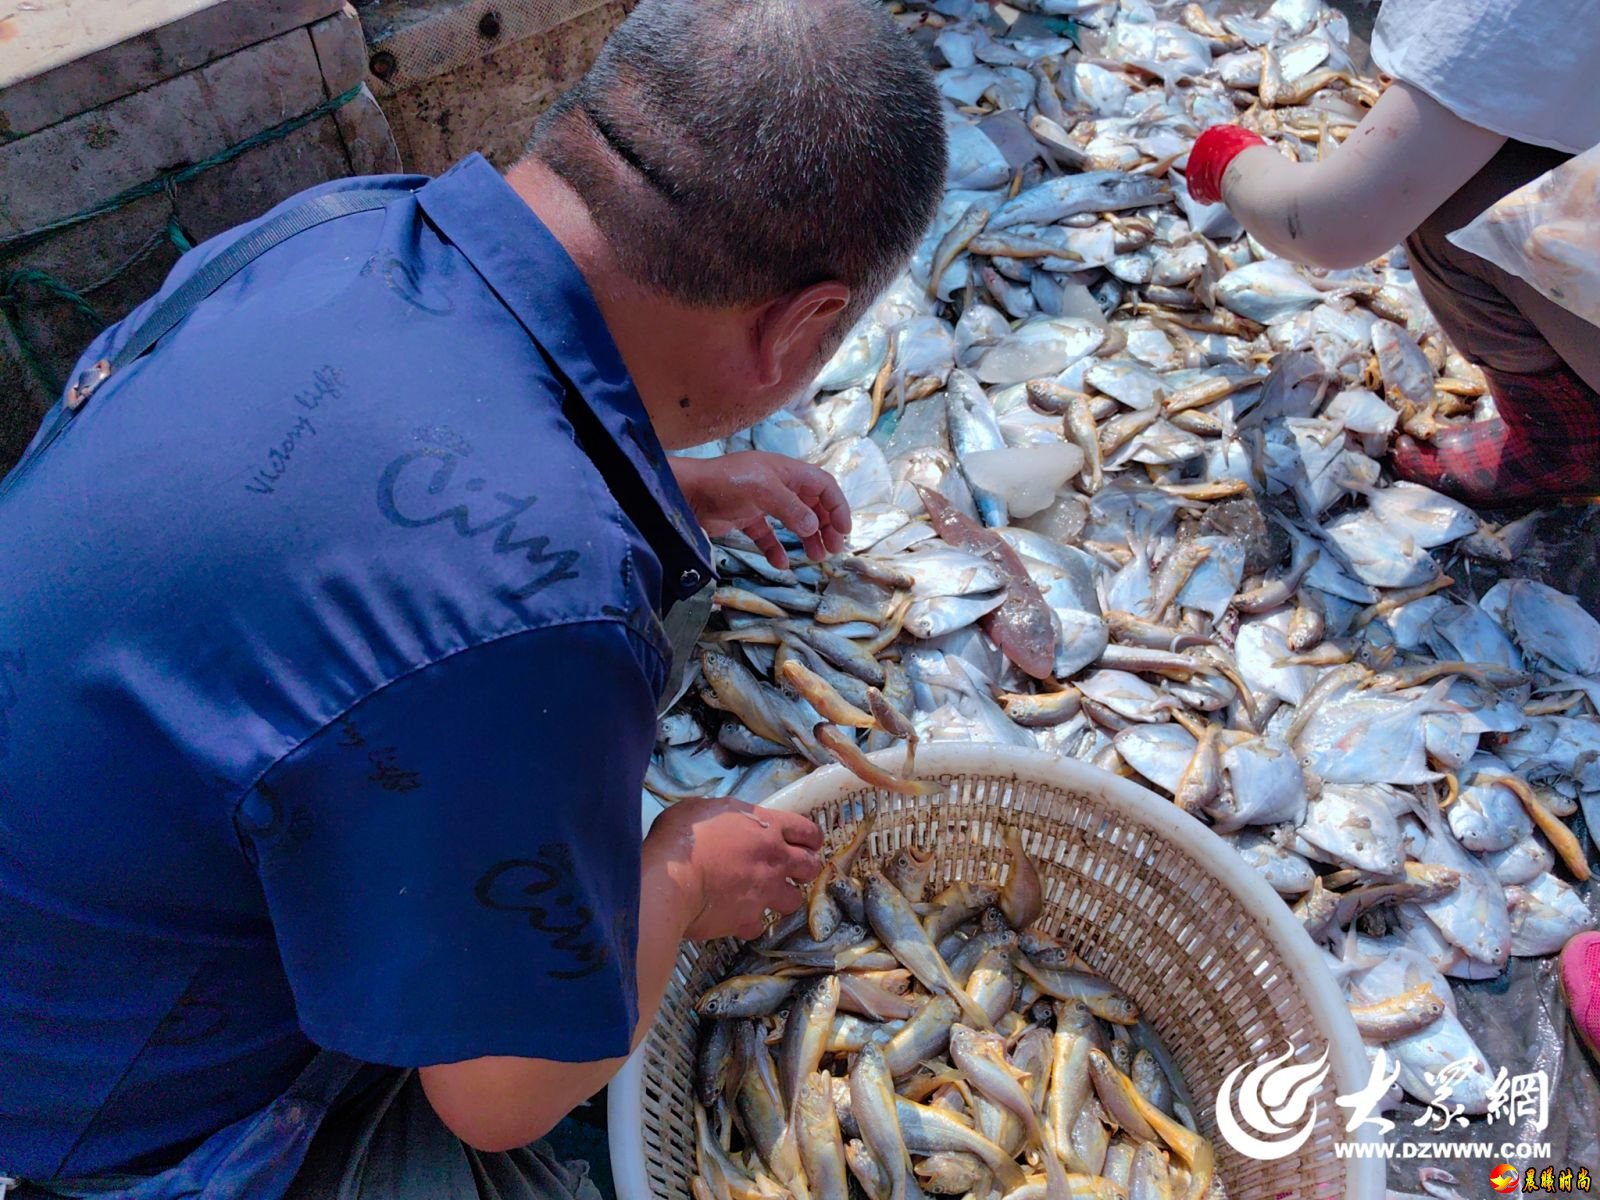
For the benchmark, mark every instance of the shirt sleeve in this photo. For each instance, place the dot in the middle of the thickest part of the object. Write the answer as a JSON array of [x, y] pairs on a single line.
[[1520, 68], [452, 868]]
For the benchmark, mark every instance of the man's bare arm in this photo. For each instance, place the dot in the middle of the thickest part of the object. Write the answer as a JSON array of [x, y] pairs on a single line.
[[710, 867]]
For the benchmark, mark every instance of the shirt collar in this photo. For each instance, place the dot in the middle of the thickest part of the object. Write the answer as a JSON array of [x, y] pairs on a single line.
[[532, 274]]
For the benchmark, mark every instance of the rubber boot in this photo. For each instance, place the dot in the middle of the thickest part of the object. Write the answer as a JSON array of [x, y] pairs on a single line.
[[1545, 444], [1579, 973]]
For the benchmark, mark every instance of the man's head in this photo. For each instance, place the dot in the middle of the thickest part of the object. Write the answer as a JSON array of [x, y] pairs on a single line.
[[764, 166]]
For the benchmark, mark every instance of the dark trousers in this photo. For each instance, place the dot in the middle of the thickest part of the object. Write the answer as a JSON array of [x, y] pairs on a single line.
[[387, 1144], [1497, 320], [342, 1131]]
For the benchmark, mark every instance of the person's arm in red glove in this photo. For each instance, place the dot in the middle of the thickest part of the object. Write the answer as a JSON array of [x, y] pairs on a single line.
[[1407, 157]]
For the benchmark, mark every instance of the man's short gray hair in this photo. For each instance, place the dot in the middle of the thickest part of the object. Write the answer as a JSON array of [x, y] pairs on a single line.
[[734, 151]]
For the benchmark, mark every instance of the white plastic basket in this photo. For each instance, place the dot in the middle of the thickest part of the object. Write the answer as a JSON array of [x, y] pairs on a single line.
[[1153, 900]]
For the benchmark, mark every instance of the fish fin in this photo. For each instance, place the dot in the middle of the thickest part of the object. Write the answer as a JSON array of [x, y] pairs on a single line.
[[1353, 957], [1425, 804], [971, 1012]]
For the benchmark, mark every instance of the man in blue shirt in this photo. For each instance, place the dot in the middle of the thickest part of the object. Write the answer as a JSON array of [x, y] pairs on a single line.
[[331, 628]]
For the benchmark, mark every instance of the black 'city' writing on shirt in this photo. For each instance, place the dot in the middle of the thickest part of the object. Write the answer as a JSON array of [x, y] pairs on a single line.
[[387, 772], [412, 495], [512, 885]]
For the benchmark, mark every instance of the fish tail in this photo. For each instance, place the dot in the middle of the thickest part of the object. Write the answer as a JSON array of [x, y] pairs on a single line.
[[1057, 1186]]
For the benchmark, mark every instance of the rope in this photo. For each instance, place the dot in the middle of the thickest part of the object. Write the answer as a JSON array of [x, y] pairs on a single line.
[[172, 179], [151, 244], [12, 298], [11, 301]]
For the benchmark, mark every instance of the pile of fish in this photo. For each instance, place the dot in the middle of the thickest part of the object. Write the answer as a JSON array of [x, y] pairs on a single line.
[[1117, 494], [942, 1046]]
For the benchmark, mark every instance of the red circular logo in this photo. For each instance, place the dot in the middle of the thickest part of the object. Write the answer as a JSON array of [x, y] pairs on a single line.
[[1503, 1178]]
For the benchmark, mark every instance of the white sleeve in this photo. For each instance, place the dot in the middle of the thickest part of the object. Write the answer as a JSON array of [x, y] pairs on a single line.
[[1523, 68]]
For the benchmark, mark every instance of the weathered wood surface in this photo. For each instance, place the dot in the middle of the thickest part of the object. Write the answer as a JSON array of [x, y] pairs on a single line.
[[190, 78], [490, 103], [417, 40], [62, 57], [191, 116], [90, 158]]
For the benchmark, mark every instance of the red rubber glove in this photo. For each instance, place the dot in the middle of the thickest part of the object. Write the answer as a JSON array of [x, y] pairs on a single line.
[[1213, 151]]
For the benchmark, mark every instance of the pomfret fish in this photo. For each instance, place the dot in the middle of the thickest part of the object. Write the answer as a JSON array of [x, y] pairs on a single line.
[[856, 361], [1127, 695], [1043, 346], [1266, 785], [1353, 825], [1521, 863], [1267, 291], [1160, 753], [1487, 816], [1545, 914], [1473, 916], [1286, 873], [1547, 623]]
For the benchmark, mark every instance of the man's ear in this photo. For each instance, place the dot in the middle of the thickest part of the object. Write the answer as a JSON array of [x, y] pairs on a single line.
[[789, 332]]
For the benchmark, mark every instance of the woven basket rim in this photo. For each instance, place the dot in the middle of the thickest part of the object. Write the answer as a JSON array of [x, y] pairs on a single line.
[[1364, 1175]]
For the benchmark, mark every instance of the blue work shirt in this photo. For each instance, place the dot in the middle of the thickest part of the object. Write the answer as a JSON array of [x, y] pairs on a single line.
[[330, 643]]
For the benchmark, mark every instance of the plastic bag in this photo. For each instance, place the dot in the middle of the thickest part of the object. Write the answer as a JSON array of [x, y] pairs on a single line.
[[1546, 233]]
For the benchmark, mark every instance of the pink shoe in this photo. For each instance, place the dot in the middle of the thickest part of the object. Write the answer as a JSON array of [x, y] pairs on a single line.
[[1580, 986]]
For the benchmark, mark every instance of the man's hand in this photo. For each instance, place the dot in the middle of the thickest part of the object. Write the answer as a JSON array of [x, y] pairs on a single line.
[[740, 491], [711, 868], [731, 862]]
